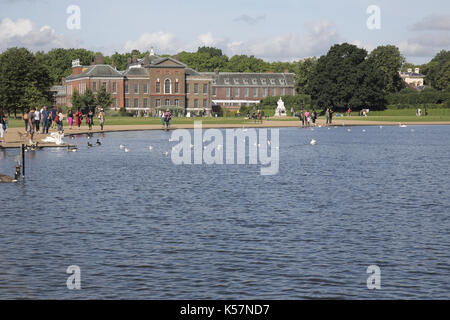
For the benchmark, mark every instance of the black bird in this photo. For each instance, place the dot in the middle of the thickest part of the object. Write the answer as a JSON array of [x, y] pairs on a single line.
[[89, 144], [98, 142]]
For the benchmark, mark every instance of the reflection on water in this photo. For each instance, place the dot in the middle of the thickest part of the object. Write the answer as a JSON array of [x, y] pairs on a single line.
[[142, 228]]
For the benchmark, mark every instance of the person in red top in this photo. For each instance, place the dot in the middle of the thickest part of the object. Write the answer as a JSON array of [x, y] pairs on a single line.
[[349, 111], [167, 118], [78, 118]]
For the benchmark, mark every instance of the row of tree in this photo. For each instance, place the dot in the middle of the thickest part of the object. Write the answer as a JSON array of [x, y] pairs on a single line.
[[345, 76]]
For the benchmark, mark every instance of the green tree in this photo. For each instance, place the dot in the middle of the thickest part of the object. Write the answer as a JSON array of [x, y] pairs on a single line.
[[23, 80], [89, 100], [303, 72], [103, 98], [388, 60], [437, 71], [335, 78]]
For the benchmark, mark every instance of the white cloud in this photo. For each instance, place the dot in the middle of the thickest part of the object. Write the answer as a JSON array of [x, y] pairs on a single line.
[[433, 22], [22, 33], [319, 36], [426, 45], [162, 42]]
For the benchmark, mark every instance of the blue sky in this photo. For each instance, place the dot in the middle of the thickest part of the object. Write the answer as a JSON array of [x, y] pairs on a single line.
[[273, 30]]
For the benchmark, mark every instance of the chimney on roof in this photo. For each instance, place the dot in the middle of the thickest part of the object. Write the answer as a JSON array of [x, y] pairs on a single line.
[[286, 70], [99, 59], [76, 67], [416, 70], [409, 70]]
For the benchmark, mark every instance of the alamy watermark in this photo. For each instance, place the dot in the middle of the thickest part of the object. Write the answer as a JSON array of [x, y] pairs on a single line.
[[74, 20], [374, 280], [211, 147], [374, 20], [74, 280]]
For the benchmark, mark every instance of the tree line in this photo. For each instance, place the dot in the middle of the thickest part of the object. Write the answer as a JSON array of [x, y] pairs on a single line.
[[345, 76]]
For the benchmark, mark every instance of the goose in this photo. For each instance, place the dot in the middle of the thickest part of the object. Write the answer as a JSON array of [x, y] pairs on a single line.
[[98, 142], [313, 142], [122, 146], [89, 145], [402, 125], [8, 179], [72, 149]]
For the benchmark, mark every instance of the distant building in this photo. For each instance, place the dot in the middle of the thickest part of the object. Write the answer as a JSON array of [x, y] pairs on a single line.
[[59, 95], [156, 82], [413, 79]]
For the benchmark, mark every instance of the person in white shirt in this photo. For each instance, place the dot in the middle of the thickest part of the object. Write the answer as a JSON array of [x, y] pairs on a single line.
[[37, 120]]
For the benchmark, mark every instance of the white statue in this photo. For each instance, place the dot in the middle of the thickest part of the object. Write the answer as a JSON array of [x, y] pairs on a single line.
[[281, 109]]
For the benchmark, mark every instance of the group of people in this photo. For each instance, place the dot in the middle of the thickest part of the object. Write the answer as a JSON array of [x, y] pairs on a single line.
[[257, 116], [166, 118], [308, 118], [45, 119]]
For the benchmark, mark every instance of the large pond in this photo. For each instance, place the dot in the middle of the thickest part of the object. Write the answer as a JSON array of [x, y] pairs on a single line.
[[140, 227]]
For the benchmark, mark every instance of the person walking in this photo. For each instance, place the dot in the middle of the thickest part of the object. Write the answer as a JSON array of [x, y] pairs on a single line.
[[45, 115], [307, 118], [70, 119], [2, 127], [54, 113], [37, 120], [302, 118], [162, 119], [60, 121], [90, 119], [31, 124], [101, 117], [331, 116], [167, 118], [327, 116], [25, 119], [78, 118], [314, 117]]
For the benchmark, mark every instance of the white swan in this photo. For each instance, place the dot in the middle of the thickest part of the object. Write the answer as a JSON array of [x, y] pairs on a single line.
[[313, 142], [122, 147], [127, 150], [55, 137]]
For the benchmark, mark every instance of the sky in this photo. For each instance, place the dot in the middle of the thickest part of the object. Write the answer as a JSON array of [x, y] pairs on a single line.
[[274, 30]]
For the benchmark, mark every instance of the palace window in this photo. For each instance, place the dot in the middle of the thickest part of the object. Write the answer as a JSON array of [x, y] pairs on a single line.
[[145, 103], [236, 92], [226, 80], [187, 88], [158, 86], [264, 81], [205, 103], [255, 92], [265, 92], [196, 104], [94, 86], [177, 86], [126, 88], [245, 81], [283, 92], [282, 82], [127, 103], [145, 89], [167, 102], [136, 103], [254, 81], [272, 81], [136, 88], [236, 81], [177, 102], [167, 86], [114, 87], [205, 89], [195, 88], [158, 103], [228, 92], [247, 92]]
